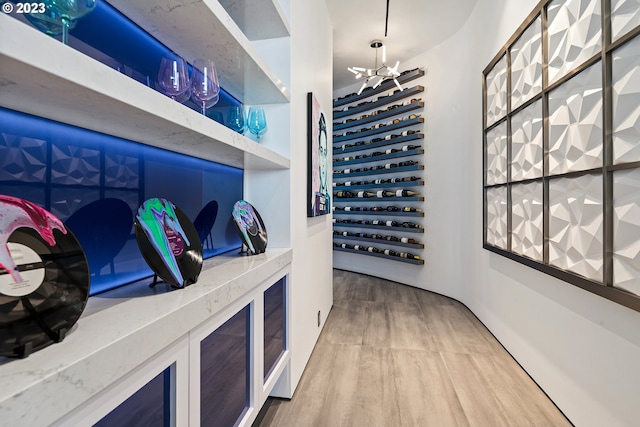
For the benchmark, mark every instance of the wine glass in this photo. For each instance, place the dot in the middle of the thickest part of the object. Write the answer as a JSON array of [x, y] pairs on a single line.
[[236, 118], [205, 88], [257, 121], [49, 21], [70, 10], [173, 78]]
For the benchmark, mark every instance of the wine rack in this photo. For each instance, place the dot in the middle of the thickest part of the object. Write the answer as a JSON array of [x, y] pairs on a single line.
[[378, 146]]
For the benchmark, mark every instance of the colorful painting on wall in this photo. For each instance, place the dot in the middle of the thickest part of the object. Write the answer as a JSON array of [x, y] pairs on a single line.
[[318, 197]]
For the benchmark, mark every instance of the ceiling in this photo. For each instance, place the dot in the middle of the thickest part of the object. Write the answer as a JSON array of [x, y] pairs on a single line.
[[415, 26]]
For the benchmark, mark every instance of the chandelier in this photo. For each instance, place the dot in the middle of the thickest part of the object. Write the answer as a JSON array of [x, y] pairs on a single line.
[[376, 75]]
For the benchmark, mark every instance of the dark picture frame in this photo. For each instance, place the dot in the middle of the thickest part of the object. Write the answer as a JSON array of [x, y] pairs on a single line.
[[318, 196]]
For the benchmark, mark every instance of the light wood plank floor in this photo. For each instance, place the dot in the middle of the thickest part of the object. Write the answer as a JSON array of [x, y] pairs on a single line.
[[391, 355]]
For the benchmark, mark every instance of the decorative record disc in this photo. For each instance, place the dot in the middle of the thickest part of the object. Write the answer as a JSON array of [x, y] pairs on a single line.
[[250, 227], [44, 278], [169, 242]]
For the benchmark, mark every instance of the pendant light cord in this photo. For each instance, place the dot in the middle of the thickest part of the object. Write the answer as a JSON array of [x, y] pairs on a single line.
[[386, 20]]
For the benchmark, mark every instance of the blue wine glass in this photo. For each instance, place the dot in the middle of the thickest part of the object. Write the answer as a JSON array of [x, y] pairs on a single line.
[[70, 10], [236, 118], [257, 121], [47, 19]]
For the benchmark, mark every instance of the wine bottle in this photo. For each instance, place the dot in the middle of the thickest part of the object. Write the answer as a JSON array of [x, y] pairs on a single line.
[[393, 209], [411, 209], [406, 193], [392, 150], [392, 239], [411, 178], [390, 252], [408, 240], [346, 233], [390, 165], [392, 224], [408, 224], [408, 255], [408, 163], [344, 194], [377, 222], [366, 194], [409, 147], [361, 235], [409, 132], [385, 193]]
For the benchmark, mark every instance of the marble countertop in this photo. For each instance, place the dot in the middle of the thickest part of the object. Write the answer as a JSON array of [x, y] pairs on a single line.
[[118, 331]]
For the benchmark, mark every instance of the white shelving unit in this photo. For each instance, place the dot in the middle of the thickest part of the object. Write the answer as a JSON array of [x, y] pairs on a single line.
[[126, 329]]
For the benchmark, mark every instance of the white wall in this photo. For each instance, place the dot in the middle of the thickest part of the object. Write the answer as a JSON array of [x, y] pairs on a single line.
[[311, 275], [583, 350]]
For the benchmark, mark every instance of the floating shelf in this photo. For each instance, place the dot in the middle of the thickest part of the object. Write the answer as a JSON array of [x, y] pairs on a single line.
[[389, 257], [383, 129], [384, 87], [397, 154], [36, 79], [381, 227], [385, 213], [238, 63], [392, 141], [379, 171], [373, 186], [377, 105], [379, 241], [378, 199]]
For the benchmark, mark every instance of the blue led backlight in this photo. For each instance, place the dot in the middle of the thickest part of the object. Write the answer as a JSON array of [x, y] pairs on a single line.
[[95, 183]]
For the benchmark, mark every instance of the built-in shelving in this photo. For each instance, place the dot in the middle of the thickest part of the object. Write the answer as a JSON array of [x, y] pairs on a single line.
[[385, 114], [378, 199], [36, 79], [258, 19], [381, 227], [375, 186], [241, 70], [379, 171]]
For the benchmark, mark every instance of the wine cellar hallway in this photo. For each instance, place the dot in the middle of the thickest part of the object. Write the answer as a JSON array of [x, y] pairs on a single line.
[[394, 355]]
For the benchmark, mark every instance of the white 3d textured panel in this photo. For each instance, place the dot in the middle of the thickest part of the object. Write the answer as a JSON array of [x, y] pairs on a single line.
[[497, 155], [526, 220], [575, 225], [626, 102], [625, 15], [574, 34], [497, 217], [626, 230], [497, 92], [526, 65], [526, 143], [575, 117]]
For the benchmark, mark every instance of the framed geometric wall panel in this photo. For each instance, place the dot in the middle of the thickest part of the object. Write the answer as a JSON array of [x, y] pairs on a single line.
[[575, 118], [575, 225], [626, 230], [497, 154], [526, 219], [526, 143], [574, 34], [526, 65], [561, 158], [497, 216], [497, 92], [625, 16], [626, 102]]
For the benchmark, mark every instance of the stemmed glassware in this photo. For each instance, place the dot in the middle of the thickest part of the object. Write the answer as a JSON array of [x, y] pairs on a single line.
[[205, 88], [257, 121], [173, 78], [236, 118], [68, 11], [48, 21]]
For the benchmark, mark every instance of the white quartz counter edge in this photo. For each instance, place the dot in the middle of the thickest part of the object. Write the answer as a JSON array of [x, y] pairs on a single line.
[[120, 330]]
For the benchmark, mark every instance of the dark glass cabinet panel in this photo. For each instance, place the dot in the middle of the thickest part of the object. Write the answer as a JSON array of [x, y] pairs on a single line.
[[274, 325], [224, 372], [149, 406]]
